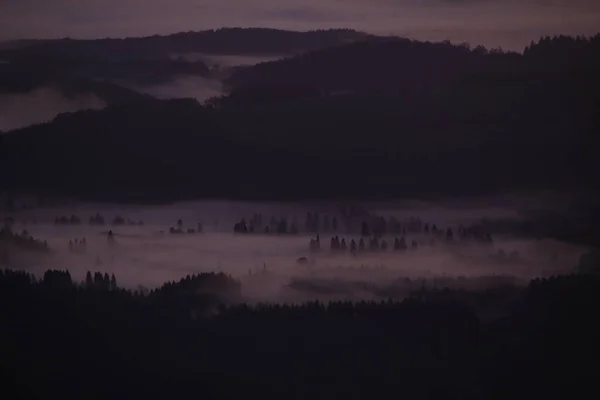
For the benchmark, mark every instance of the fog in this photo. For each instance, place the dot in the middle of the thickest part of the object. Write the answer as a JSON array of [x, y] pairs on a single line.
[[195, 87], [267, 265], [18, 110], [41, 105]]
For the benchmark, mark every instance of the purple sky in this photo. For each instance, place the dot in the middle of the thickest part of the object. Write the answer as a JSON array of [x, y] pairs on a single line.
[[507, 23]]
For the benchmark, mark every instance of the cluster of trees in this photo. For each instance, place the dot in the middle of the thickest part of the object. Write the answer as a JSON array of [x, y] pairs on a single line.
[[95, 220], [100, 282], [73, 341], [203, 283], [23, 240], [564, 51]]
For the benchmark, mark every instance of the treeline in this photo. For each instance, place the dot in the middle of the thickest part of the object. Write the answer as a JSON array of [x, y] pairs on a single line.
[[23, 240], [203, 283], [565, 51], [239, 41], [416, 68], [389, 64], [74, 341]]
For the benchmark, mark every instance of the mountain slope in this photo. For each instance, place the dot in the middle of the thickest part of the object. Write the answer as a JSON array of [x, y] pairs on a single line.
[[490, 123], [382, 64]]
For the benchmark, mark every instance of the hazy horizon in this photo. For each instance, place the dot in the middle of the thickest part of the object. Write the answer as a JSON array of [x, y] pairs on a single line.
[[508, 23]]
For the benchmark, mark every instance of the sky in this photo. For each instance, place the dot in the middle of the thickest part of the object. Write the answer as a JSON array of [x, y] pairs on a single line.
[[510, 24]]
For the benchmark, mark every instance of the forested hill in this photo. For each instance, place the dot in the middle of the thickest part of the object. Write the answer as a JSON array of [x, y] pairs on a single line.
[[394, 64], [523, 122], [96, 340], [385, 63], [27, 65], [239, 41]]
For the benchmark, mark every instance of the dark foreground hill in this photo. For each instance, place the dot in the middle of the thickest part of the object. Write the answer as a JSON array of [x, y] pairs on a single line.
[[493, 122], [96, 341]]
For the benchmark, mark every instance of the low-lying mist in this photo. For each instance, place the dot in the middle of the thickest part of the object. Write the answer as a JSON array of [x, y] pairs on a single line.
[[195, 87], [41, 105], [278, 267]]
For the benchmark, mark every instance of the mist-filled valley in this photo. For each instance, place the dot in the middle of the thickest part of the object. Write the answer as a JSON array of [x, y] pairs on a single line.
[[154, 244], [199, 294], [38, 78], [41, 105]]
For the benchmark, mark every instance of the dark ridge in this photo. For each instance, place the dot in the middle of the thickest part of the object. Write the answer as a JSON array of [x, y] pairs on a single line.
[[27, 65], [416, 68], [496, 122], [247, 41], [95, 339], [374, 64]]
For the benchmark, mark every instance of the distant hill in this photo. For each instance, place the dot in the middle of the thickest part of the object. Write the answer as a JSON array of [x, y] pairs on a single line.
[[114, 70], [237, 41], [482, 122], [152, 59], [401, 65], [383, 64], [42, 103]]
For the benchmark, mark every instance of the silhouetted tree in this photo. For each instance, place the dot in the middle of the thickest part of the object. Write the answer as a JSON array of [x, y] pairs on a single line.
[[113, 282], [89, 282]]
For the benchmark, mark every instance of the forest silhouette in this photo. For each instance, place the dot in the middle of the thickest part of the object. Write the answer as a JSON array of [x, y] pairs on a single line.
[[153, 59], [94, 339], [413, 119]]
